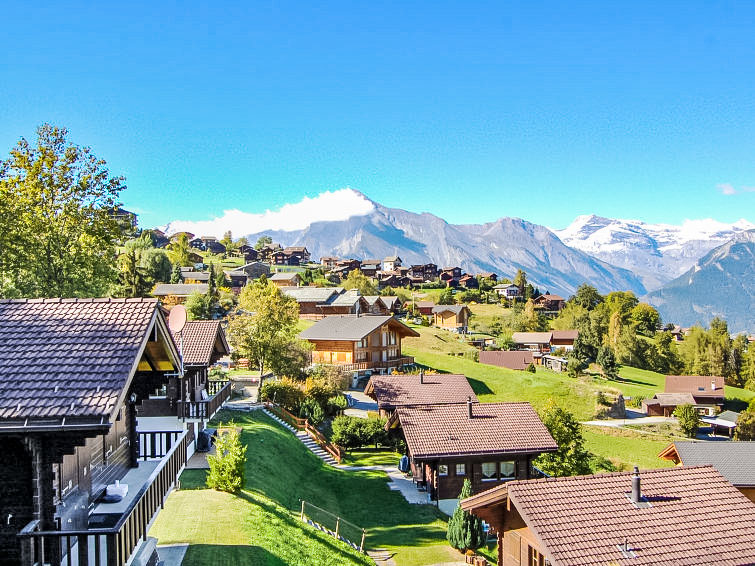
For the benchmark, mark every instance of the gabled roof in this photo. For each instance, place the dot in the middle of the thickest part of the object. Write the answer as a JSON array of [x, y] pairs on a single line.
[[514, 359], [550, 298], [695, 385], [456, 309], [352, 327], [284, 276], [735, 460], [532, 337], [424, 304], [505, 286], [196, 275], [412, 390], [564, 334], [392, 258], [312, 294], [495, 429], [73, 358], [200, 340], [690, 516], [179, 289], [671, 399], [347, 299]]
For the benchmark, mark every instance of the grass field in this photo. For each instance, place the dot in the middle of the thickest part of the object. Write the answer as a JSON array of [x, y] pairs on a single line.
[[368, 457], [260, 525]]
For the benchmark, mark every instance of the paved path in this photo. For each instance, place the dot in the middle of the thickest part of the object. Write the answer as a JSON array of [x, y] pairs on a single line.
[[359, 404], [172, 554], [631, 421]]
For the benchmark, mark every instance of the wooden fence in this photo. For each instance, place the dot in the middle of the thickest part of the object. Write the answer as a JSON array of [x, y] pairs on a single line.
[[303, 424]]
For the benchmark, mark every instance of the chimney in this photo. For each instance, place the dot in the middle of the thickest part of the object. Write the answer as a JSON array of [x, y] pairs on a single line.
[[712, 384], [636, 492], [421, 376], [469, 406]]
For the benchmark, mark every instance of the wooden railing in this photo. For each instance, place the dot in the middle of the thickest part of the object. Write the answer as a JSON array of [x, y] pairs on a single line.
[[303, 424], [109, 546], [157, 443], [219, 391], [361, 366]]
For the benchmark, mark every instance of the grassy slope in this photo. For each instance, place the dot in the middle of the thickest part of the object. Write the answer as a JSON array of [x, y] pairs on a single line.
[[578, 395], [280, 472]]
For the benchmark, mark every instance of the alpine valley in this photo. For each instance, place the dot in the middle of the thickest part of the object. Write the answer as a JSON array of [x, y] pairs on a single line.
[[610, 254]]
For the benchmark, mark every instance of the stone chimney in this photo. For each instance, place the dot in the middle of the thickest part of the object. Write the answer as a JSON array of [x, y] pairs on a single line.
[[469, 406]]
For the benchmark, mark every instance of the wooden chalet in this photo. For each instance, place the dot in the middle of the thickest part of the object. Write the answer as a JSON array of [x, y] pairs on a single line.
[[395, 391], [329, 262], [735, 460], [514, 359], [176, 293], [74, 372], [201, 343], [376, 305], [704, 392], [286, 279], [301, 253], [538, 342], [190, 276], [391, 262], [424, 272], [507, 291], [359, 343], [424, 307], [451, 317], [265, 253], [450, 276], [311, 300], [690, 516], [469, 282], [563, 339], [487, 443], [550, 303]]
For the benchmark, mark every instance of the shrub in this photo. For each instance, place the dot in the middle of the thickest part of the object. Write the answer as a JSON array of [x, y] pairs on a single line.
[[354, 432], [286, 393], [336, 404], [320, 391], [227, 464], [636, 401], [689, 419], [311, 410], [603, 399], [331, 376], [531, 368]]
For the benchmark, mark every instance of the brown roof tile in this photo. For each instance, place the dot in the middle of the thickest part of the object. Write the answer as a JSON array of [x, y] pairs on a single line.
[[694, 517], [496, 428], [197, 341], [68, 357], [695, 384], [406, 390], [514, 359]]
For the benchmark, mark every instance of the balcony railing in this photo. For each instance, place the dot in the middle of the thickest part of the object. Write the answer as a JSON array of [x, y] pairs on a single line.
[[113, 546], [219, 392], [361, 366]]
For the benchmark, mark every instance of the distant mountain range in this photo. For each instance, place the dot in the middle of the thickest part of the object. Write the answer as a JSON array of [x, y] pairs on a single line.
[[609, 254]]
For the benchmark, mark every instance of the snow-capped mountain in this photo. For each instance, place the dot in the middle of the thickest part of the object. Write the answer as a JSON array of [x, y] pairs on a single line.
[[722, 283], [657, 253]]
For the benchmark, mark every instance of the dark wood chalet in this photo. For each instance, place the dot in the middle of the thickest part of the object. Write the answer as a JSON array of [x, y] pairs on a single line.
[[74, 371], [201, 344], [488, 443], [359, 343]]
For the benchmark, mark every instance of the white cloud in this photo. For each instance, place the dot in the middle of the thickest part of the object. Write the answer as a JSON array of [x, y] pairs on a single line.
[[726, 188], [328, 206]]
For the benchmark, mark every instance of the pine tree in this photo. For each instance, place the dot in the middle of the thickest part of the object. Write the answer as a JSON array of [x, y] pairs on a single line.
[[176, 275], [464, 529]]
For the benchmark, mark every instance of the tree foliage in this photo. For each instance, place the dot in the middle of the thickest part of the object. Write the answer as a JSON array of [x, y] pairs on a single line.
[[689, 419], [57, 231], [228, 463], [267, 325], [745, 426], [465, 530], [359, 281], [571, 458], [607, 361], [446, 297]]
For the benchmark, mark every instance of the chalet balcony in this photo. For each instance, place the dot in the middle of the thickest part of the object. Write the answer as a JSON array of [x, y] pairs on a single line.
[[377, 365], [218, 392], [115, 530]]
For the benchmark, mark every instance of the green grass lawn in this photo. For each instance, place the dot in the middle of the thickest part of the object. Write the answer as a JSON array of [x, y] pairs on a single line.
[[366, 457], [279, 473], [625, 448]]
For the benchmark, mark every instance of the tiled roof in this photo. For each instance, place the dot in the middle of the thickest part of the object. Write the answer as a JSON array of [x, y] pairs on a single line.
[[197, 341], [515, 359], [671, 399], [311, 294], [347, 299], [456, 309], [531, 337], [694, 517], [424, 304], [565, 334], [735, 460], [196, 275], [409, 390], [352, 327], [494, 429], [179, 289], [283, 276], [695, 384], [69, 357]]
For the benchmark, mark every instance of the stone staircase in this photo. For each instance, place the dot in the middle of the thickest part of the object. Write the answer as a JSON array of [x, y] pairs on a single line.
[[305, 439]]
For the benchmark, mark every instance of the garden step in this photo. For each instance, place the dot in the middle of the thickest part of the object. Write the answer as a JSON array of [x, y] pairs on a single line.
[[306, 440]]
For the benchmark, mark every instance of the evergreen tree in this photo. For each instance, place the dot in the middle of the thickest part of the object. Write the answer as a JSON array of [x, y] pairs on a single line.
[[465, 530], [175, 277], [228, 463], [607, 361]]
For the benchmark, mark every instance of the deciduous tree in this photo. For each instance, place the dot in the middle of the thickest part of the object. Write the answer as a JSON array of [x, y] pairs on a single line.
[[571, 458]]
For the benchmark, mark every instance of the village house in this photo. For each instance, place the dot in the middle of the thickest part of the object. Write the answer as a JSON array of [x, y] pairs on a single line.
[[265, 253], [690, 516], [735, 460], [192, 276], [424, 308], [201, 343], [300, 252], [563, 339], [348, 302], [247, 252], [286, 279], [312, 299], [255, 270], [282, 258], [370, 267], [207, 244], [359, 343], [376, 305], [538, 342], [424, 273], [549, 303], [392, 280], [171, 294], [451, 317], [487, 443], [328, 262], [507, 291], [489, 275], [391, 262], [395, 391], [450, 276], [74, 373], [514, 359], [724, 422], [469, 282], [392, 302], [704, 392]]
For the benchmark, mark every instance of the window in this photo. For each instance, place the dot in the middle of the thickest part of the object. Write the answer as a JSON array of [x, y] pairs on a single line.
[[461, 469], [534, 558], [488, 471], [442, 469], [508, 470]]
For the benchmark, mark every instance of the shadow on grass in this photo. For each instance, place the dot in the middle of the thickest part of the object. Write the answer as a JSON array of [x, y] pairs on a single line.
[[479, 387], [736, 405], [229, 555]]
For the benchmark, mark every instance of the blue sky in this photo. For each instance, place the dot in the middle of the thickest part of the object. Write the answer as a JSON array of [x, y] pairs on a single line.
[[471, 111]]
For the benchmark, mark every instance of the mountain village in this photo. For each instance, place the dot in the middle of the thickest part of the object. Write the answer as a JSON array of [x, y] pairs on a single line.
[[244, 401]]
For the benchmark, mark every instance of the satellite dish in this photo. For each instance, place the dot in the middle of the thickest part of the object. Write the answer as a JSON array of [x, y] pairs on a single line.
[[177, 319]]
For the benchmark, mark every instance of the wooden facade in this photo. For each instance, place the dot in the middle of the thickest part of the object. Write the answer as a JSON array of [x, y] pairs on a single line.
[[381, 345]]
